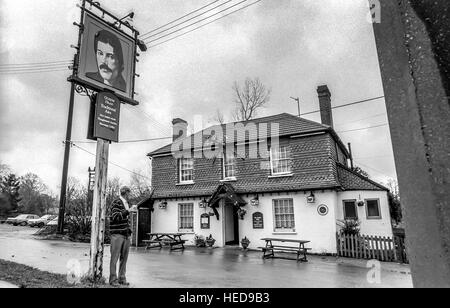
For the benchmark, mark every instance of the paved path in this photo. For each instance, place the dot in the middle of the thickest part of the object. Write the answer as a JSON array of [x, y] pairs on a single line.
[[7, 285], [203, 267]]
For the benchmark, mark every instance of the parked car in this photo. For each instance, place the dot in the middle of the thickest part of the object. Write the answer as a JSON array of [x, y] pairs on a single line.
[[41, 221], [21, 220], [53, 222]]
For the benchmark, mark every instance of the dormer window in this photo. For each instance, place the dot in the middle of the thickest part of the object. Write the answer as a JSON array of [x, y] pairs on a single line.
[[186, 170], [229, 167], [280, 160]]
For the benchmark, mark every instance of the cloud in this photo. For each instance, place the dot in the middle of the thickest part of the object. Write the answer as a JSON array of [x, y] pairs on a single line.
[[293, 46]]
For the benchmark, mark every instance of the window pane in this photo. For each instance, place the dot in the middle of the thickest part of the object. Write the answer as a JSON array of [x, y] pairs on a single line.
[[284, 214], [350, 210], [373, 210], [186, 169], [280, 160], [186, 216]]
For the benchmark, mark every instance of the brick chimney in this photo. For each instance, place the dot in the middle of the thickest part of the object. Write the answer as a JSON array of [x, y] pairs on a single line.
[[179, 127], [325, 105]]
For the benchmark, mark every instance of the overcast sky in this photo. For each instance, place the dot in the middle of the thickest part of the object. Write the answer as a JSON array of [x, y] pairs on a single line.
[[293, 46]]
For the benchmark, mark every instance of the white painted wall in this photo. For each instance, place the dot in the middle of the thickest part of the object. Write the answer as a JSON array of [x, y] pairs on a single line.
[[309, 225], [376, 227], [166, 221], [320, 230]]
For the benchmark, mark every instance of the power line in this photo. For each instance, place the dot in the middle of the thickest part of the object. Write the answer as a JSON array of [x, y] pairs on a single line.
[[33, 64], [346, 105], [204, 25], [114, 164], [195, 11], [194, 23], [128, 141], [183, 21], [378, 171], [32, 68], [363, 128], [374, 116], [156, 125], [34, 72]]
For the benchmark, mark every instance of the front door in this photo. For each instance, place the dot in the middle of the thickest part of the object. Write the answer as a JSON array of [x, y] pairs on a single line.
[[231, 224], [144, 225]]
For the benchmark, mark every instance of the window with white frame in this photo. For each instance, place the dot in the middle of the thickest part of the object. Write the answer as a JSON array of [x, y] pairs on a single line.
[[186, 170], [186, 216], [284, 219], [280, 160], [229, 166], [373, 209]]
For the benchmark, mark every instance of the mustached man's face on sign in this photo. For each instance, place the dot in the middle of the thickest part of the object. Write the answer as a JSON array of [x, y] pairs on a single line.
[[109, 57]]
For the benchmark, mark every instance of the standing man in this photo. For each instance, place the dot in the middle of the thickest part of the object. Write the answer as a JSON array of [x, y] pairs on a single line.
[[109, 56], [120, 237]]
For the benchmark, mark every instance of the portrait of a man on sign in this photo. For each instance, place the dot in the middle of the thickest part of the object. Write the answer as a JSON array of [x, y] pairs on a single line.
[[107, 57]]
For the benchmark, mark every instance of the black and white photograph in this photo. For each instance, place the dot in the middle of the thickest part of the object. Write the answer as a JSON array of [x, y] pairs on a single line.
[[223, 152]]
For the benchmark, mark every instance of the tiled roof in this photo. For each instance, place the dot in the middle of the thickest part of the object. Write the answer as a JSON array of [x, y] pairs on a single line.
[[351, 180], [288, 125]]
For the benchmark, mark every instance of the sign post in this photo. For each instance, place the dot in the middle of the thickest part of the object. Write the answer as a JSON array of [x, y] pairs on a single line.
[[104, 70], [99, 210]]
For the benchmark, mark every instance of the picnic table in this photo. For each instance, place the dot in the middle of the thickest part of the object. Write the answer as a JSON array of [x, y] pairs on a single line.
[[157, 240], [297, 246]]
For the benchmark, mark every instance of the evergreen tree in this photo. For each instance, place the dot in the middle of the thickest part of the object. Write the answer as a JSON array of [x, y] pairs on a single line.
[[9, 186]]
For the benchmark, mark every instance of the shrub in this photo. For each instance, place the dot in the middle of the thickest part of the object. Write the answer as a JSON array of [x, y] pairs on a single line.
[[349, 226]]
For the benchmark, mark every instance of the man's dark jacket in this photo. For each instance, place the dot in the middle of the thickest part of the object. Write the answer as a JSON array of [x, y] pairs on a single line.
[[119, 223]]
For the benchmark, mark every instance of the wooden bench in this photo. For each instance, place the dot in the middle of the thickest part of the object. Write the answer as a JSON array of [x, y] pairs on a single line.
[[157, 240], [300, 250]]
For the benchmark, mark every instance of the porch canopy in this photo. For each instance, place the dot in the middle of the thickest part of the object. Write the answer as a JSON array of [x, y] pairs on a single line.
[[225, 191]]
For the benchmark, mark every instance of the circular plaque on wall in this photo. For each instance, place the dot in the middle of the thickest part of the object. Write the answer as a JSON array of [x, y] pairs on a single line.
[[322, 209]]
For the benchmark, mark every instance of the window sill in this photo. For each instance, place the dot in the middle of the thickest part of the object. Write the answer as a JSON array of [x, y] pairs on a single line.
[[185, 183], [229, 180], [284, 233], [374, 218], [280, 175]]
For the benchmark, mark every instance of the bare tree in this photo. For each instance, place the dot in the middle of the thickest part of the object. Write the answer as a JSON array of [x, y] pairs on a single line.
[[252, 96], [219, 117], [140, 187]]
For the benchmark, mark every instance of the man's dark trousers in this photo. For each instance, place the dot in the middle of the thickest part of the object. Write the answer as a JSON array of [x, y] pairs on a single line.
[[120, 246]]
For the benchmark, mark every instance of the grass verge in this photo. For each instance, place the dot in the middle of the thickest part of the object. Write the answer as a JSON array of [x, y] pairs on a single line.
[[25, 276]]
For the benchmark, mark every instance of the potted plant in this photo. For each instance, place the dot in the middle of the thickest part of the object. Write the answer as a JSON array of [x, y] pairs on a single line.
[[210, 241], [241, 212], [245, 242], [199, 241]]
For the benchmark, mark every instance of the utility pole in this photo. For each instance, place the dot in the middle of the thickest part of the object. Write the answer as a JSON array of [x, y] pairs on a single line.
[[298, 104], [68, 141], [68, 144]]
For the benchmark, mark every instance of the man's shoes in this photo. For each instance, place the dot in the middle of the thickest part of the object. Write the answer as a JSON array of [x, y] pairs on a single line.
[[114, 283], [124, 283]]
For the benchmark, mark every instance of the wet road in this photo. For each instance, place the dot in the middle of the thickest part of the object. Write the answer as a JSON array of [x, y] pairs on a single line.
[[201, 267]]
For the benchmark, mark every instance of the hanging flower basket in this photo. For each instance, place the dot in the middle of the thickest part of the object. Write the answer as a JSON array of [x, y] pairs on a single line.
[[360, 203], [241, 212]]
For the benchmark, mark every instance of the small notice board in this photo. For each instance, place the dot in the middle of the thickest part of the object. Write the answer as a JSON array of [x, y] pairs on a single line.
[[106, 117], [258, 220]]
